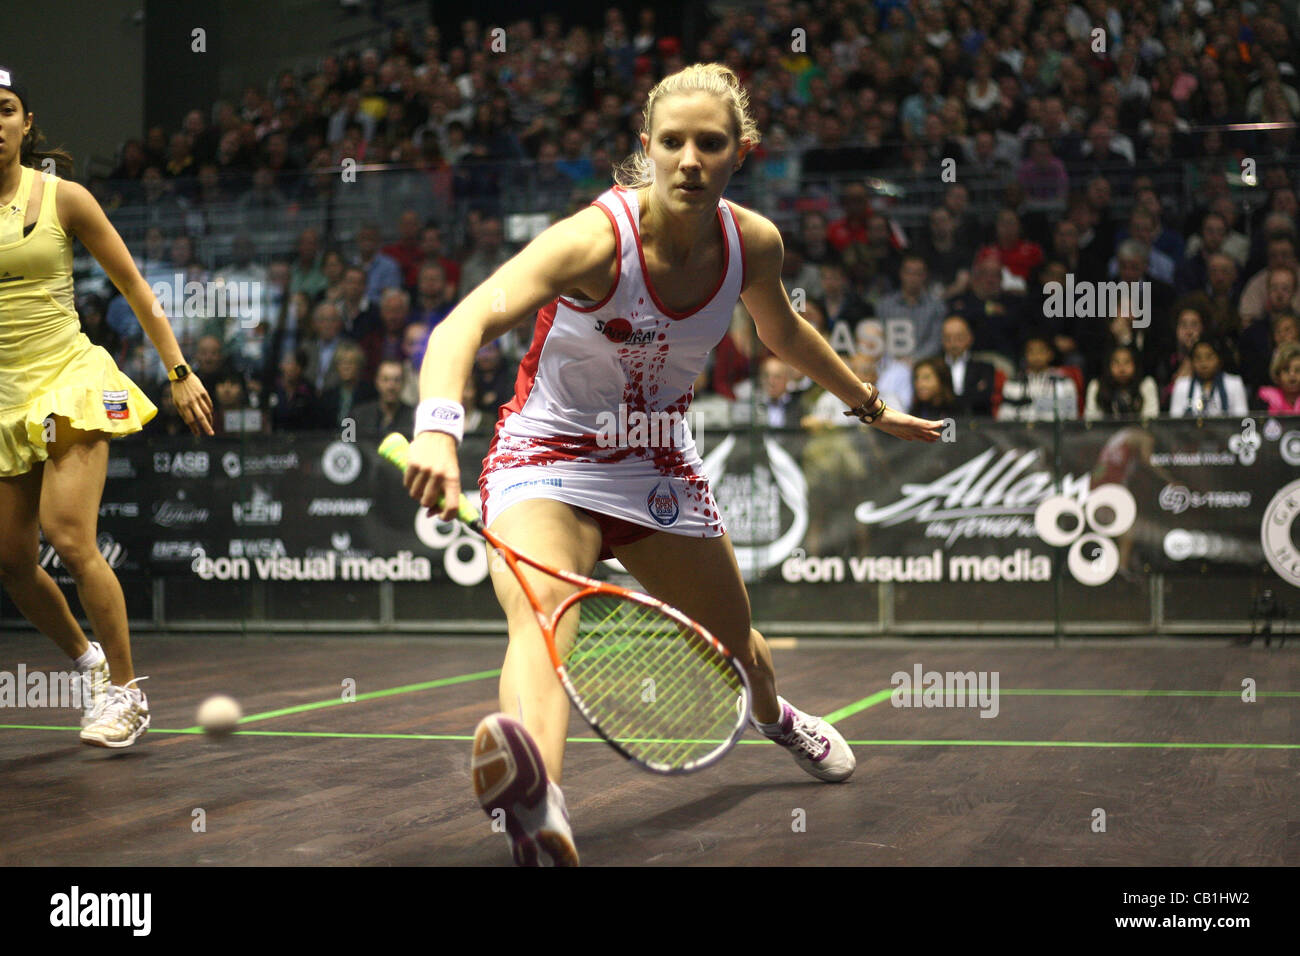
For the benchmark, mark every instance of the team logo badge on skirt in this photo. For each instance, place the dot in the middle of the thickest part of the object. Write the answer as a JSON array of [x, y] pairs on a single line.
[[662, 504], [115, 405]]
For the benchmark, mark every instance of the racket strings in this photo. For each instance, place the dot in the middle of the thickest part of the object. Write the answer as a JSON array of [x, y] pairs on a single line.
[[654, 686]]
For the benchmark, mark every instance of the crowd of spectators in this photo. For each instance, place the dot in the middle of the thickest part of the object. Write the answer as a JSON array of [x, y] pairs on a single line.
[[1150, 142]]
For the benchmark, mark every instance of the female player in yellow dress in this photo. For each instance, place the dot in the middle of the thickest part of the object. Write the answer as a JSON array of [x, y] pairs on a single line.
[[61, 400]]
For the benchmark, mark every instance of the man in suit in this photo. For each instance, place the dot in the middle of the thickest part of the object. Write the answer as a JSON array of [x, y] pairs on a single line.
[[972, 380], [387, 413], [328, 325]]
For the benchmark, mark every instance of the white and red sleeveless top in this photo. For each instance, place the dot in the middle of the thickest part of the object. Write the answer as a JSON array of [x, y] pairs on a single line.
[[626, 355]]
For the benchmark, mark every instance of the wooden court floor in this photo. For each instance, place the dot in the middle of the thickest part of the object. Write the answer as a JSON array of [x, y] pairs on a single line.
[[1149, 739]]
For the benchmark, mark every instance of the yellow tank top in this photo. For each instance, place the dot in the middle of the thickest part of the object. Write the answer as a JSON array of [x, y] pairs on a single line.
[[38, 315]]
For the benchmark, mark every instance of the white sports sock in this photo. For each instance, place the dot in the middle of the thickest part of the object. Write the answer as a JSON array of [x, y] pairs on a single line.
[[89, 659]]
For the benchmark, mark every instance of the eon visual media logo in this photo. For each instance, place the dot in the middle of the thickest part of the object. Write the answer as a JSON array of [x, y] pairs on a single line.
[[1108, 512]]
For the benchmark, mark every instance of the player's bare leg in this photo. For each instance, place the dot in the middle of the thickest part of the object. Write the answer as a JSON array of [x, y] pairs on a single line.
[[29, 585], [559, 536], [71, 489], [700, 577], [518, 754]]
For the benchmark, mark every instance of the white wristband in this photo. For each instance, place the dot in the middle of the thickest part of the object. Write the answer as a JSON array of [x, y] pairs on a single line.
[[441, 415]]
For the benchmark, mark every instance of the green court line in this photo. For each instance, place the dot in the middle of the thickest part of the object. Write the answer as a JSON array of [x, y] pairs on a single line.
[[371, 695], [857, 706], [1100, 744]]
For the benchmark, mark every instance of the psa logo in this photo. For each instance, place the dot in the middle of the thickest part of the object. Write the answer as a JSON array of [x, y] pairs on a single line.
[[1108, 512], [619, 331], [663, 505]]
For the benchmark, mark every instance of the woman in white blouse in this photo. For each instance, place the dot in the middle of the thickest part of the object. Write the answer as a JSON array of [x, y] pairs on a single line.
[[1209, 392]]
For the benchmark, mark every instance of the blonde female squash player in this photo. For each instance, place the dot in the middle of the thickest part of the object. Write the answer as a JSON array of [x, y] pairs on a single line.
[[61, 400], [634, 292]]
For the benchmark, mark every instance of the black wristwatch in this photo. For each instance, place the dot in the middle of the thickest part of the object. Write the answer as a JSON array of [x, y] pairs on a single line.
[[179, 373]]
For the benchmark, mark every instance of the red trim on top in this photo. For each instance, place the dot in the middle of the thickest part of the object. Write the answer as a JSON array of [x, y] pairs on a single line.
[[645, 270], [618, 257], [527, 371], [740, 238]]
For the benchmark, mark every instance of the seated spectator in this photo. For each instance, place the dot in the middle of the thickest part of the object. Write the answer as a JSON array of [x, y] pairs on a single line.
[[382, 271], [1119, 392], [843, 306], [972, 380], [1017, 255], [1208, 392], [947, 255], [1177, 363], [708, 409], [350, 388], [488, 255], [893, 374], [90, 308], [494, 380], [1255, 342], [915, 302], [776, 404], [333, 266], [386, 412], [307, 275], [168, 419], [385, 342], [476, 422], [414, 341], [991, 314], [932, 395], [360, 314], [433, 297], [1042, 175], [431, 248], [1283, 396], [734, 357], [1040, 392], [406, 251], [327, 324], [232, 413], [292, 403], [1254, 296]]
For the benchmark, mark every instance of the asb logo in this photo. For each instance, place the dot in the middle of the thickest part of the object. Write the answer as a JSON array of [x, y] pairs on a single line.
[[619, 331], [663, 505], [1107, 512]]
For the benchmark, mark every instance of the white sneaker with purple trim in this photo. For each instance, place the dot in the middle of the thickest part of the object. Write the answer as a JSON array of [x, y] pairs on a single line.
[[815, 745], [512, 787]]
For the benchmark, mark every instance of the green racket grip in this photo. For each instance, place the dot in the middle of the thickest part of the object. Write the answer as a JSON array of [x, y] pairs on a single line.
[[396, 449]]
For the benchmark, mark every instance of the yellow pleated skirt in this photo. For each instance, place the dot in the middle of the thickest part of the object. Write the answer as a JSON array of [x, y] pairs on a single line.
[[81, 383]]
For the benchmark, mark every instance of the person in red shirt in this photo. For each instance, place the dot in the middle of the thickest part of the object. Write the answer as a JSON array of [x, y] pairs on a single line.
[[431, 249], [407, 249], [1019, 256], [852, 226]]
